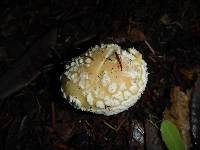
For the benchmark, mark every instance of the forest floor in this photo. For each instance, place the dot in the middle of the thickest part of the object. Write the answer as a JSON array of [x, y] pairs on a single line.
[[38, 37]]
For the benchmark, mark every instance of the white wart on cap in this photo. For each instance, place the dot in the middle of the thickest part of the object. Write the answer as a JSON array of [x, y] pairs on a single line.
[[105, 80]]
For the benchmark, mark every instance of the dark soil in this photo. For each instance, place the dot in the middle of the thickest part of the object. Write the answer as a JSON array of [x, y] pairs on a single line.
[[38, 37]]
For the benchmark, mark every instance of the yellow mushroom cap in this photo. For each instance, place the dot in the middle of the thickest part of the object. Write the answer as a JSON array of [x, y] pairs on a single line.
[[105, 80]]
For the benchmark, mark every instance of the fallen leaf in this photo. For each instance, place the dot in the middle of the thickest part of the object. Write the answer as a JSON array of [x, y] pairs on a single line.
[[178, 112], [171, 136], [190, 73]]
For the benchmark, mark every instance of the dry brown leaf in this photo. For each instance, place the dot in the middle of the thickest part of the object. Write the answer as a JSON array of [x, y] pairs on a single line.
[[190, 73], [178, 112]]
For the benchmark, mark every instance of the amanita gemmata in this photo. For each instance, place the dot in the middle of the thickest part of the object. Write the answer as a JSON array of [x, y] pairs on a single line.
[[105, 80]]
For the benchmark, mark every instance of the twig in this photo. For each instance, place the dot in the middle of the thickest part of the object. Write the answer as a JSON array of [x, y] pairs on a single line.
[[149, 46], [110, 126], [119, 60], [154, 124], [39, 106], [89, 57], [113, 128], [22, 125], [121, 123]]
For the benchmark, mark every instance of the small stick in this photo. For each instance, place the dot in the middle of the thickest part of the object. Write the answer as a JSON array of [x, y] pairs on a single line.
[[89, 57], [107, 124], [149, 46], [119, 126], [113, 128], [119, 60]]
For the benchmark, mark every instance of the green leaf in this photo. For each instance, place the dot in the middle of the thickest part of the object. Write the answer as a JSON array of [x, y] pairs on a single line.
[[171, 136]]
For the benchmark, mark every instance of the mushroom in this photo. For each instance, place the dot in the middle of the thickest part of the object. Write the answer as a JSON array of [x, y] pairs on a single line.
[[105, 80]]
